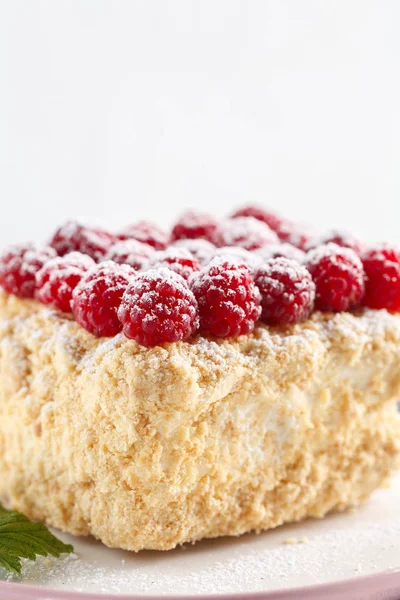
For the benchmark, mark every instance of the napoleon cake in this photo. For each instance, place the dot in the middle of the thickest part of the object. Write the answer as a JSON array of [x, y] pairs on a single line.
[[227, 377]]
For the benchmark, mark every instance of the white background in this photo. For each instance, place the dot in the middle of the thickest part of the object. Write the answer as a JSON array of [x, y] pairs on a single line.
[[117, 110]]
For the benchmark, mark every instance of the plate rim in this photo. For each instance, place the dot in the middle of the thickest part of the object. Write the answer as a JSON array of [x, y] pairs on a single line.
[[382, 583]]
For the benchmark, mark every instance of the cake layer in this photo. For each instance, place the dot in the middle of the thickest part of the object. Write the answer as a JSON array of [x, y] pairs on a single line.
[[150, 448]]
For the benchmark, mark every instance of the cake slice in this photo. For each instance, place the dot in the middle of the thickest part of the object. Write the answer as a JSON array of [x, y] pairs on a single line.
[[160, 388], [154, 447]]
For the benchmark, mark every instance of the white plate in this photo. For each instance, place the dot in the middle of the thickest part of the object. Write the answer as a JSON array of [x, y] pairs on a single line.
[[356, 544]]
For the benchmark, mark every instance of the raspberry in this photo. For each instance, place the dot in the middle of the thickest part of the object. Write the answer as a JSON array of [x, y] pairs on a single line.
[[157, 308], [287, 291], [58, 278], [19, 265], [238, 255], [200, 248], [297, 234], [229, 302], [179, 260], [194, 225], [247, 232], [338, 275], [266, 216], [73, 237], [382, 270], [341, 238], [146, 232], [130, 252], [96, 299], [284, 250]]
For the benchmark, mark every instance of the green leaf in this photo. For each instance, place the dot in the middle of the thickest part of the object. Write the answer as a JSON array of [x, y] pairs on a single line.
[[10, 562], [22, 538]]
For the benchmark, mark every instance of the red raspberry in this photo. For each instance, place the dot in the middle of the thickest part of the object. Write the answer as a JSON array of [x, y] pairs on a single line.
[[130, 252], [297, 234], [229, 302], [338, 275], [194, 225], [19, 265], [266, 216], [146, 232], [283, 250], [157, 308], [237, 255], [179, 260], [73, 237], [287, 291], [58, 278], [341, 238], [96, 299], [247, 232], [200, 248], [382, 270]]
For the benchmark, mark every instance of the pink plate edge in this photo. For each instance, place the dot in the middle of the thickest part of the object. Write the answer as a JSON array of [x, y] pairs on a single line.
[[380, 586]]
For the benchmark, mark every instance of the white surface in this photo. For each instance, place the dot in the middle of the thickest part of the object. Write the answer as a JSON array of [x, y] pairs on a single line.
[[339, 547], [114, 110]]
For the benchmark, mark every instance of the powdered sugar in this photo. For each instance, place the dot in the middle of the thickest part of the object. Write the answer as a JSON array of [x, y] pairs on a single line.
[[298, 234], [284, 250], [200, 248], [339, 237], [236, 254], [130, 252], [146, 232], [247, 232], [180, 260]]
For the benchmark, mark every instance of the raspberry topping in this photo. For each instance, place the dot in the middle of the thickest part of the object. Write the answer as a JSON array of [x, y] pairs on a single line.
[[341, 238], [146, 232], [266, 216], [157, 308], [201, 249], [96, 299], [19, 265], [247, 232], [338, 275], [179, 260], [73, 237], [194, 225], [237, 255], [297, 234], [382, 270], [172, 289], [58, 278], [229, 302], [284, 250], [287, 291], [130, 252]]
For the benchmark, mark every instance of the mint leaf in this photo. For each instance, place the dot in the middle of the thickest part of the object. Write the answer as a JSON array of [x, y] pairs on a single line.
[[9, 562], [22, 538]]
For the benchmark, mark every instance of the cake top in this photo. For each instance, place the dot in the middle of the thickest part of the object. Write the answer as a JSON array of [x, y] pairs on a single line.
[[209, 276]]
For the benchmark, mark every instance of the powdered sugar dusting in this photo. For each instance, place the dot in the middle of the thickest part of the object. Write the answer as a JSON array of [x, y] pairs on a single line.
[[334, 252], [200, 248], [341, 237], [238, 255], [284, 250], [130, 252], [247, 232]]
